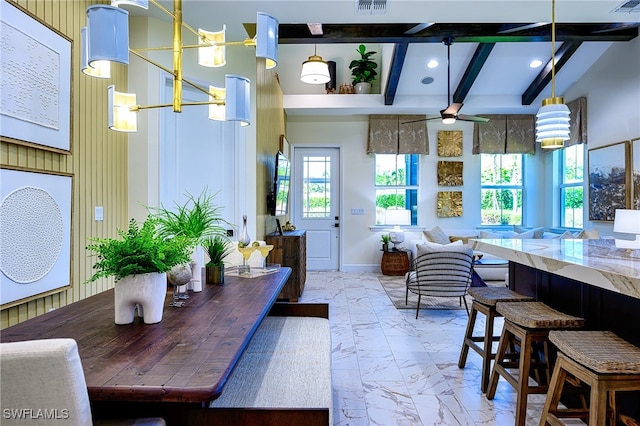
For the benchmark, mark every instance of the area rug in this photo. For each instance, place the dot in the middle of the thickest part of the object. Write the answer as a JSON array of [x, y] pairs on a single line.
[[396, 289]]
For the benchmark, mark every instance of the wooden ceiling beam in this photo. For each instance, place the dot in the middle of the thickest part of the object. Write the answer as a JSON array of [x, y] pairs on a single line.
[[536, 87], [399, 54], [461, 33], [473, 69]]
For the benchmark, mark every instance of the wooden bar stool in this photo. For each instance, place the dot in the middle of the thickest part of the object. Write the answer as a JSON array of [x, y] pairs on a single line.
[[599, 359], [526, 325], [484, 301]]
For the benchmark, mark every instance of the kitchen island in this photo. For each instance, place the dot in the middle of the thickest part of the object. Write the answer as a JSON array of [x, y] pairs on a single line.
[[593, 279]]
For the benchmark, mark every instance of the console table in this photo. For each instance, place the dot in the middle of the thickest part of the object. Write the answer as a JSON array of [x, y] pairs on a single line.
[[290, 250], [183, 362]]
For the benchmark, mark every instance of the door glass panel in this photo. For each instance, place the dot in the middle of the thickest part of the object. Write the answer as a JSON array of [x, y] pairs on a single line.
[[316, 187]]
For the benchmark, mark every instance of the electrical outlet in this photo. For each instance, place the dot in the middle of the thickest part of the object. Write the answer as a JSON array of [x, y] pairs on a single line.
[[357, 212], [98, 214]]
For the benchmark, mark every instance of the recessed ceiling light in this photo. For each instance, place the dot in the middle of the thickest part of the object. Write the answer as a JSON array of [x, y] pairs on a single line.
[[535, 63], [427, 80], [432, 63]]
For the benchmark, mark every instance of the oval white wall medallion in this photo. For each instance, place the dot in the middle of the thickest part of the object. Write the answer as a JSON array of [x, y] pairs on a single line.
[[31, 231]]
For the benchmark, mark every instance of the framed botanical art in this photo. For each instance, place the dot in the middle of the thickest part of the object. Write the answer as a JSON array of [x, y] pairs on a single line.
[[635, 174], [35, 234], [609, 187], [35, 100]]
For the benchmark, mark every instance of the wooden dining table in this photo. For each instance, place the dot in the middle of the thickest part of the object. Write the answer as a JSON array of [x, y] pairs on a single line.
[[184, 359]]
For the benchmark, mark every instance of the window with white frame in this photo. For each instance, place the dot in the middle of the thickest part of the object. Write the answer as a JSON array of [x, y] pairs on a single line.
[[396, 188], [502, 188], [571, 186]]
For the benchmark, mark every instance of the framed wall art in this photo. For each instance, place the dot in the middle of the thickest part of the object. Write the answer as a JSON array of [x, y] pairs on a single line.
[[450, 143], [35, 234], [635, 174], [284, 146], [35, 65], [449, 204], [609, 187], [450, 173]]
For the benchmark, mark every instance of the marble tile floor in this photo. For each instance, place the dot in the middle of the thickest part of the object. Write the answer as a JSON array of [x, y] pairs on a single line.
[[390, 368]]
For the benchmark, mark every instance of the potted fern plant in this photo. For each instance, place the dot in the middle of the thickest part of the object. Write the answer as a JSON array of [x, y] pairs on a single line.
[[363, 70], [197, 219], [217, 248], [138, 261]]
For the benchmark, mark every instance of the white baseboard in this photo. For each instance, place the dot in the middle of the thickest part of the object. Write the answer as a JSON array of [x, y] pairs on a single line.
[[375, 268]]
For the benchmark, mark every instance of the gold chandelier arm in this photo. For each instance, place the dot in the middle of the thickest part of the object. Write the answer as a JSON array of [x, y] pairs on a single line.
[[168, 71], [151, 61], [168, 12], [136, 108], [245, 42]]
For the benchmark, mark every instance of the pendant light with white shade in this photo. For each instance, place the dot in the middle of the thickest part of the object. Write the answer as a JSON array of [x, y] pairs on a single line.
[[552, 119], [315, 70]]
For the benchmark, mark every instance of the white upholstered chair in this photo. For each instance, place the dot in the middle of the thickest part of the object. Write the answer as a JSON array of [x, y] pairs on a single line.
[[43, 383], [440, 272]]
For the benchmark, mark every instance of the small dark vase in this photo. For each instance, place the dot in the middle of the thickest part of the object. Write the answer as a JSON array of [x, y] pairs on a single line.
[[385, 247], [215, 274]]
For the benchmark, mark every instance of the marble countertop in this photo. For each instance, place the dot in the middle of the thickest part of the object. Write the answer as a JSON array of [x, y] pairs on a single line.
[[596, 262]]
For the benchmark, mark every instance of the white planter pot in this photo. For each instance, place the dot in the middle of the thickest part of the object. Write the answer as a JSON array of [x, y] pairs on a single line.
[[146, 290], [363, 88], [197, 262]]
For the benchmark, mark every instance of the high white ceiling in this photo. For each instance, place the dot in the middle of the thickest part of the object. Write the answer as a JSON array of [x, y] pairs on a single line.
[[499, 85]]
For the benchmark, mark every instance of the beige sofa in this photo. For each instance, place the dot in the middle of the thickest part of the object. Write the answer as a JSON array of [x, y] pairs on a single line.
[[490, 271]]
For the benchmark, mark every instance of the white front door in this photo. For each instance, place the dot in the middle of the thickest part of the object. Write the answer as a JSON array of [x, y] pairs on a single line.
[[316, 204]]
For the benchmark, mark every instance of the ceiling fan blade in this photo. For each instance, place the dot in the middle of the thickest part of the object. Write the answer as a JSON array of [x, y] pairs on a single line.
[[473, 118], [452, 109], [422, 119]]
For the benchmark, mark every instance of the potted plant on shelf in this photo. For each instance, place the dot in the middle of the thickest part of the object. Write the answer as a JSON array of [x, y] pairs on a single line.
[[138, 260], [363, 70], [386, 239], [197, 219], [217, 248]]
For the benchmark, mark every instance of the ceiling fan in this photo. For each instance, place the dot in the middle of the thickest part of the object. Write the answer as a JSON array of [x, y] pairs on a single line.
[[449, 115]]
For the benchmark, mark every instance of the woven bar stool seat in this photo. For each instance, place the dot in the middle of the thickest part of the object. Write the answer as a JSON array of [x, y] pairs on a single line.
[[538, 315], [484, 301], [599, 359], [527, 326]]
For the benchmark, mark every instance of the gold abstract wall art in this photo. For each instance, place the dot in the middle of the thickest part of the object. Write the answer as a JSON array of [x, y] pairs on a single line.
[[449, 204], [450, 173], [450, 143]]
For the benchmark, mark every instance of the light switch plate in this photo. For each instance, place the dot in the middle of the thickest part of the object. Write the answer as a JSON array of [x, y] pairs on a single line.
[[357, 212], [98, 213]]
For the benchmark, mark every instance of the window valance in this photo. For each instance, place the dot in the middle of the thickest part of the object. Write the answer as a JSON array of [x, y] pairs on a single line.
[[505, 134], [578, 123], [397, 134]]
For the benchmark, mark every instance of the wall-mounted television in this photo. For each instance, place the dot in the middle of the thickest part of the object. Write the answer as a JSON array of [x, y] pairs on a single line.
[[279, 198]]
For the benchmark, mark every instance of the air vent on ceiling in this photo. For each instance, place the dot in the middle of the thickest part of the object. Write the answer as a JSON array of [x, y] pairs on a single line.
[[369, 7], [628, 6]]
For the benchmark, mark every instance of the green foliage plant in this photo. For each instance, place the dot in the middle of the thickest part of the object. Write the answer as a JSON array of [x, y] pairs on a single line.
[[218, 248], [386, 239], [139, 250], [363, 70], [197, 219]]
